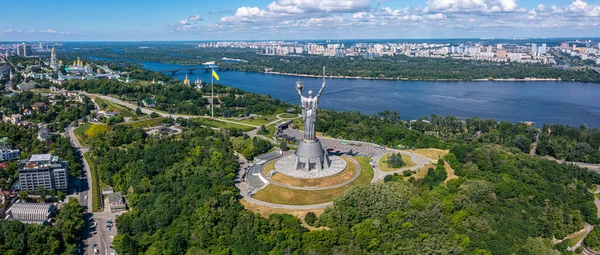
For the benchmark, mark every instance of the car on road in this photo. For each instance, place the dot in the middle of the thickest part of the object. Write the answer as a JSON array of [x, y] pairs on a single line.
[[94, 245], [96, 251]]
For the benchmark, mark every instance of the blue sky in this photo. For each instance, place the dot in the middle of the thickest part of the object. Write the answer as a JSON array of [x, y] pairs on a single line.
[[112, 20]]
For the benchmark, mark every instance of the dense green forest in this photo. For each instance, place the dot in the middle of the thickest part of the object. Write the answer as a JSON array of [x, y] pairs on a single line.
[[17, 238], [386, 128], [397, 67], [502, 203], [564, 142]]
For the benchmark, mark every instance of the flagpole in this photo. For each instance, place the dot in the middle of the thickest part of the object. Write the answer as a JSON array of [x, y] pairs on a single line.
[[212, 95]]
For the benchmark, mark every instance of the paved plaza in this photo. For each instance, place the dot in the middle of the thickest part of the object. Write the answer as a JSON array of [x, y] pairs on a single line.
[[333, 145], [287, 166]]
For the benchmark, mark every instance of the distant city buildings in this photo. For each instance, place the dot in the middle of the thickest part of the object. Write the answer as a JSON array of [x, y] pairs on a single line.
[[43, 171], [499, 52], [24, 50]]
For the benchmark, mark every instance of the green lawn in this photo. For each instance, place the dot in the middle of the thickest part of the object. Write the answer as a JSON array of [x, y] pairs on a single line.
[[386, 168], [112, 107], [88, 131], [288, 116], [42, 91], [79, 132], [257, 121], [145, 123], [95, 186], [279, 195], [271, 130], [220, 124], [573, 241]]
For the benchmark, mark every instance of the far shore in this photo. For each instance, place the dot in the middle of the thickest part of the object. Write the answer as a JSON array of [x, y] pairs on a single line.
[[407, 79]]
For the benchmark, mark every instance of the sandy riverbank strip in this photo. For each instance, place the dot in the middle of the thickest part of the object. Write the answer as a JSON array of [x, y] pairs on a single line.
[[407, 79]]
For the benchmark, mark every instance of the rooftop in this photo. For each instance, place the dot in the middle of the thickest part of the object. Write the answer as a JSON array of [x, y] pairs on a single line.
[[40, 157], [39, 161], [115, 198], [32, 208]]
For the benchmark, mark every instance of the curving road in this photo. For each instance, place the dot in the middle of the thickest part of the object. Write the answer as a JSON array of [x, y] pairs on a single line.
[[149, 111], [420, 160]]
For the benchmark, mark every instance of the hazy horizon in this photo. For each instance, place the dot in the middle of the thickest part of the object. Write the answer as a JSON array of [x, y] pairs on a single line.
[[190, 20]]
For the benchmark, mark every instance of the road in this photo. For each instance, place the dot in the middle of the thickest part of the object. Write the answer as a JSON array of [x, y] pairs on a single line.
[[379, 175], [166, 115], [535, 144], [102, 238], [591, 167]]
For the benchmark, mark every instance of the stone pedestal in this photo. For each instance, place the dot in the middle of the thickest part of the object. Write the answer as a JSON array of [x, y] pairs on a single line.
[[311, 156]]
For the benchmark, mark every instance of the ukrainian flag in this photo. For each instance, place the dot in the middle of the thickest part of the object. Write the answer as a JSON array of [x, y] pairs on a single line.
[[214, 74]]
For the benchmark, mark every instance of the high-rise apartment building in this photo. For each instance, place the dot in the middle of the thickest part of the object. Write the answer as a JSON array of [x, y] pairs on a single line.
[[24, 50], [43, 170]]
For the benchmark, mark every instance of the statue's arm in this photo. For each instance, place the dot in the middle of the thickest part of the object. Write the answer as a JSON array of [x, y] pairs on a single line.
[[321, 91], [299, 92]]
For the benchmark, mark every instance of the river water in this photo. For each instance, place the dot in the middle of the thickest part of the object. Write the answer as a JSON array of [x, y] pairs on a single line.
[[541, 102]]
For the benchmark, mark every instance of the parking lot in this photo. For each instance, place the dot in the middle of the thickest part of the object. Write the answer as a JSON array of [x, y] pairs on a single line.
[[100, 234]]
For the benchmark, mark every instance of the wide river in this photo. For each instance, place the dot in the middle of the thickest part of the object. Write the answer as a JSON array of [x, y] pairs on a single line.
[[541, 102]]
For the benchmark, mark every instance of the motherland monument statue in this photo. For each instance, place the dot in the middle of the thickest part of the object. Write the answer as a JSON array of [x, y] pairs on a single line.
[[310, 160], [310, 153], [309, 106]]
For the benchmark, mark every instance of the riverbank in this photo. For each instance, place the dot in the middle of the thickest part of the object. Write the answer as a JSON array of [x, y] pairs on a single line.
[[408, 79]]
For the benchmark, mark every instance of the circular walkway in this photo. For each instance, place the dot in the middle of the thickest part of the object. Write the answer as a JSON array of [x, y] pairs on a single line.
[[354, 177], [378, 175]]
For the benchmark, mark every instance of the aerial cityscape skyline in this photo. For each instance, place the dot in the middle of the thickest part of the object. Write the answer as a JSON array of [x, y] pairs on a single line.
[[300, 19], [300, 127]]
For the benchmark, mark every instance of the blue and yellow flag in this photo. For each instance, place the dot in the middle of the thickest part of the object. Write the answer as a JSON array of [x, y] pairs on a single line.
[[214, 74]]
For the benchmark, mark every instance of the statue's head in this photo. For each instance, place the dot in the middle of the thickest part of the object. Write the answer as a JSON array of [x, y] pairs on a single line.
[[300, 85], [310, 93]]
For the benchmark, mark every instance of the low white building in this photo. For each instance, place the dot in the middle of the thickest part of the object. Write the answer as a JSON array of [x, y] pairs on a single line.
[[31, 212], [8, 154]]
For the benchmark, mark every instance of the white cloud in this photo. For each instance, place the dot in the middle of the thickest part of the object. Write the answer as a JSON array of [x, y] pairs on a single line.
[[436, 16], [328, 17], [246, 14], [195, 17], [472, 6], [42, 31], [307, 6], [583, 8], [189, 23]]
